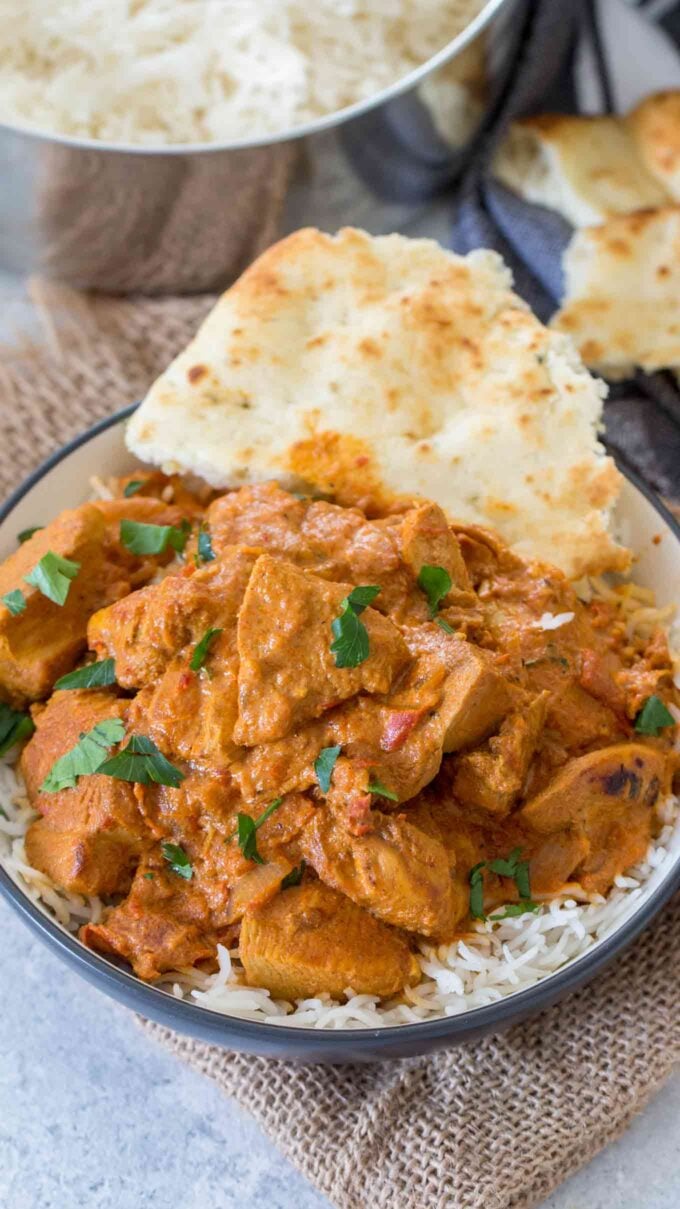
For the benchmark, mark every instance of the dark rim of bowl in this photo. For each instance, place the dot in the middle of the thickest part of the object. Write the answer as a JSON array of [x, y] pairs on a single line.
[[491, 1016], [325, 122]]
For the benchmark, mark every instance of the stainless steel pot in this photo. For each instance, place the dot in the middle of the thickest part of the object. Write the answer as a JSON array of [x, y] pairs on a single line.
[[188, 218]]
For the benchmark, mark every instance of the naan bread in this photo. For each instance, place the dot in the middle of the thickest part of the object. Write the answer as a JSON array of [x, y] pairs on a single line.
[[622, 296], [585, 168], [655, 127], [371, 368]]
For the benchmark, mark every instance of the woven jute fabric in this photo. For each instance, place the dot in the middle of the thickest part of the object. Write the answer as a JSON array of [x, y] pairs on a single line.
[[496, 1124]]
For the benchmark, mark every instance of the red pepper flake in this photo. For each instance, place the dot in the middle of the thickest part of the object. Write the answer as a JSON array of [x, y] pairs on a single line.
[[398, 727], [358, 813], [186, 679]]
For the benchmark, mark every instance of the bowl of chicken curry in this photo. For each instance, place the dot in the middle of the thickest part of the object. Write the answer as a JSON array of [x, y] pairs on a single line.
[[270, 760]]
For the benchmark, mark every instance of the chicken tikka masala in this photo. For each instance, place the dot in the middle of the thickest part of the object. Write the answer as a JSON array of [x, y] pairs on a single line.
[[270, 721]]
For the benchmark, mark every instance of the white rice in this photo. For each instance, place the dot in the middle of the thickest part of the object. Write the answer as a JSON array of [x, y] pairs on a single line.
[[152, 72], [495, 960]]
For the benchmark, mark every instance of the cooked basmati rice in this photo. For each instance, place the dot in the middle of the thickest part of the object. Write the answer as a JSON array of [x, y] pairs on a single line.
[[493, 961], [152, 72]]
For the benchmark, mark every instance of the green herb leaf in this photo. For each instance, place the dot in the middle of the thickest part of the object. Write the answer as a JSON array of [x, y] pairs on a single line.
[[444, 625], [435, 582], [205, 552], [178, 861], [133, 487], [86, 757], [294, 877], [26, 534], [201, 650], [139, 538], [505, 866], [148, 877], [52, 576], [93, 675], [477, 891], [360, 598], [381, 790], [15, 601], [350, 646], [141, 761], [513, 909], [324, 765], [14, 726], [653, 717], [246, 832]]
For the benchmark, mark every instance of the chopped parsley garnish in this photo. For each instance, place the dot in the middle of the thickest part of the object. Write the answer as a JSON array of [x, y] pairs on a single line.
[[133, 487], [246, 832], [14, 726], [28, 533], [139, 538], [52, 576], [205, 552], [86, 757], [294, 877], [148, 877], [509, 866], [377, 787], [141, 761], [15, 601], [324, 765], [436, 583], [201, 650], [350, 646], [653, 717], [93, 675], [178, 861]]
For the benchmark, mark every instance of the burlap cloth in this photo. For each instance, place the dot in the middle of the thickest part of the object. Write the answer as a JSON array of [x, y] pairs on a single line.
[[489, 1125]]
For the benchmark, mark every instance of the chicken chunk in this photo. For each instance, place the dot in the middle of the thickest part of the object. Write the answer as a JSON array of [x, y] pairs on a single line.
[[428, 540], [287, 673], [147, 629], [309, 940], [394, 870], [90, 838], [608, 797], [163, 924], [491, 777], [43, 641]]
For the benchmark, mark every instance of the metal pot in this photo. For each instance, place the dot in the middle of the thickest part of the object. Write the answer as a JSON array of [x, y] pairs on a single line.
[[184, 219]]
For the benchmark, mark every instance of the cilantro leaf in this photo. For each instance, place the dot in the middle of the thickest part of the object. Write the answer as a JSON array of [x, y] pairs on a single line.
[[350, 646], [139, 538], [324, 765], [201, 649], [513, 909], [133, 487], [246, 832], [86, 757], [52, 576], [435, 582], [93, 675], [653, 717], [294, 877], [205, 552], [15, 601], [505, 866], [377, 787], [14, 726], [360, 598], [28, 533], [178, 861], [142, 762], [476, 879]]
